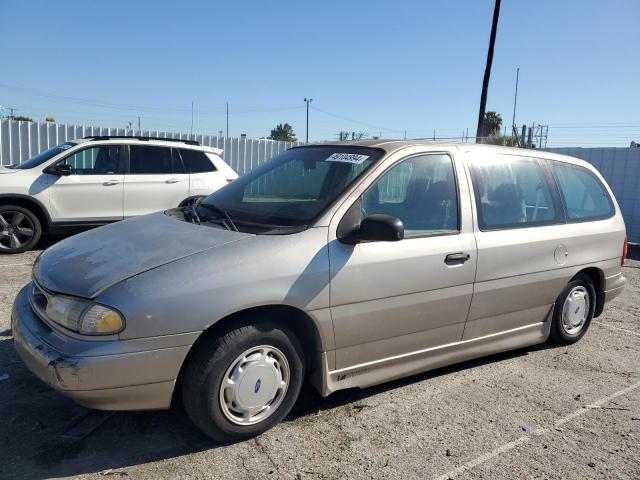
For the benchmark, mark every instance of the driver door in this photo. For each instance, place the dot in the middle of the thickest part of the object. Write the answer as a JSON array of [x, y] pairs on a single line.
[[394, 298], [94, 190]]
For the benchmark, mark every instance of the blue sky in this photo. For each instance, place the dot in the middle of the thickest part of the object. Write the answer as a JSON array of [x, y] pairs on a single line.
[[372, 66]]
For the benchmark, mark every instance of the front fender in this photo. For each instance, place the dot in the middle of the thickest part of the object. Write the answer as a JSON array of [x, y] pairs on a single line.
[[193, 293]]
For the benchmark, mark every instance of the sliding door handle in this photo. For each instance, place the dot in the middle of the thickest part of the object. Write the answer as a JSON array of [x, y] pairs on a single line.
[[456, 258]]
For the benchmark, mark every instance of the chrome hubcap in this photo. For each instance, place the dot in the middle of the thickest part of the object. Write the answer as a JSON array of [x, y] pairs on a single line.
[[254, 386], [575, 310], [16, 229]]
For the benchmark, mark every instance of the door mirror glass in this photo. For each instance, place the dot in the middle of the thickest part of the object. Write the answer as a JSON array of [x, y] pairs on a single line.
[[377, 228]]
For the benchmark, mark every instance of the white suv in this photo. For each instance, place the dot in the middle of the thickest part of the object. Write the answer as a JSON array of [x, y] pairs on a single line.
[[96, 180]]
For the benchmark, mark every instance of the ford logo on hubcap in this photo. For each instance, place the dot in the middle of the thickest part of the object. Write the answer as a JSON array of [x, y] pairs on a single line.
[[257, 387]]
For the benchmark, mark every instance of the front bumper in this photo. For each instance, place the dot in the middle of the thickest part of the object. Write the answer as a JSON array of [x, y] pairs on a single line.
[[105, 375]]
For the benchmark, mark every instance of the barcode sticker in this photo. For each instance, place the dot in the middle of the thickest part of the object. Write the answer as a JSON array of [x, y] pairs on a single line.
[[355, 158]]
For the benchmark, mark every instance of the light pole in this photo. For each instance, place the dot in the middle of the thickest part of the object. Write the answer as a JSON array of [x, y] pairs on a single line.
[[308, 101]]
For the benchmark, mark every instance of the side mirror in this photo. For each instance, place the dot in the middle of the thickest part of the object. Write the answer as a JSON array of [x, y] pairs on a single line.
[[377, 228], [61, 170]]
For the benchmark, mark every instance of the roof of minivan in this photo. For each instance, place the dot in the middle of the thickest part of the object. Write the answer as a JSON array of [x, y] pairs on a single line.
[[392, 145]]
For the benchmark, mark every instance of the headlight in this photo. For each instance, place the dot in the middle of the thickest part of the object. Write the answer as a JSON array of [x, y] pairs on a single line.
[[66, 311], [83, 316]]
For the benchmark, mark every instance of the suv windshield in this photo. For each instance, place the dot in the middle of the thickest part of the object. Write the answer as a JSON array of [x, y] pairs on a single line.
[[292, 189], [44, 156]]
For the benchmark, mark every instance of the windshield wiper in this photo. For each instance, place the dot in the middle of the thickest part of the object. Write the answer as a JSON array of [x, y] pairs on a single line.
[[228, 223], [194, 215]]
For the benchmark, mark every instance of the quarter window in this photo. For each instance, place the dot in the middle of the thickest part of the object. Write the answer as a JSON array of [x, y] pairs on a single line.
[[512, 192], [421, 191], [196, 161], [153, 160], [584, 195], [102, 160]]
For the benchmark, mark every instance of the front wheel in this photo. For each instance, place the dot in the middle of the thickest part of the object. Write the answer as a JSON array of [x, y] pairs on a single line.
[[573, 311], [20, 229], [245, 380]]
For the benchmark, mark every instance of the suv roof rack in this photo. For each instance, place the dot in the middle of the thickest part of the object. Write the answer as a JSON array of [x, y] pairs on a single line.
[[109, 137]]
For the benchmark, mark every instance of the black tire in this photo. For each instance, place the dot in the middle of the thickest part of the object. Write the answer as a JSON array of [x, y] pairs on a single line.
[[191, 201], [558, 333], [208, 365], [15, 221]]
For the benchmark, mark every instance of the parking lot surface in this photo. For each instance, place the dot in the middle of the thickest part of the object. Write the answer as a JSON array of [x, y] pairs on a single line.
[[542, 412]]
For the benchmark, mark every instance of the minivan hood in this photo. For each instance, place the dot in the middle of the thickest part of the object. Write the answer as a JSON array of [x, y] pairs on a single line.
[[87, 264]]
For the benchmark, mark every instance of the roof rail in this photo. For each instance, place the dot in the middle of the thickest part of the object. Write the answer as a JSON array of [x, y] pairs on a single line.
[[109, 137]]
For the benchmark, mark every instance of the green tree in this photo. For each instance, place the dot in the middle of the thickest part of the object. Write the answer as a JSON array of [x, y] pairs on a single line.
[[50, 119], [22, 118], [497, 139], [283, 132]]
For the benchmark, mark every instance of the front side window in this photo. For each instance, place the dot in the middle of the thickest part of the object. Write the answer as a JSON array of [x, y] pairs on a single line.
[[293, 188], [584, 195], [153, 161], [421, 191], [512, 192], [99, 160]]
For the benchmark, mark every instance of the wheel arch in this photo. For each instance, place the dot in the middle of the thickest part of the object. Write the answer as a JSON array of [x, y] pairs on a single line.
[[294, 319], [29, 203], [597, 277]]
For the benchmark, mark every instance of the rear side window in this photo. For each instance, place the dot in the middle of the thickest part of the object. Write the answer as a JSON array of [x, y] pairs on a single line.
[[513, 193], [153, 160], [584, 195], [196, 161]]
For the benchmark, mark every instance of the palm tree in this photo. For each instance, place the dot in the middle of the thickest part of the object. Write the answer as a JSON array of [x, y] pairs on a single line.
[[492, 124], [284, 133]]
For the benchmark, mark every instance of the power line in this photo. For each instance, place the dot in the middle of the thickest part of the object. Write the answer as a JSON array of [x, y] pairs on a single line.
[[341, 117]]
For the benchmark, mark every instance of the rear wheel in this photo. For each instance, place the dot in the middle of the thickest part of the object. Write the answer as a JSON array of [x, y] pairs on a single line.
[[191, 201], [573, 311], [20, 229], [244, 380]]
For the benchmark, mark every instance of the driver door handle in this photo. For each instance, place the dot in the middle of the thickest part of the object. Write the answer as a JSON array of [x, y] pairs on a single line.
[[111, 182], [456, 258]]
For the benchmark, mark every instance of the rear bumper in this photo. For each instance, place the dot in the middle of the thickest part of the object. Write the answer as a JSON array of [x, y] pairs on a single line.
[[110, 380], [614, 285]]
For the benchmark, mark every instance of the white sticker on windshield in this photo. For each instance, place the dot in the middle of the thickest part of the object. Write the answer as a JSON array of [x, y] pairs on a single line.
[[355, 158]]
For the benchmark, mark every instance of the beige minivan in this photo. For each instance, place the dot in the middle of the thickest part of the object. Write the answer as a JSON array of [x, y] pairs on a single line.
[[350, 264]]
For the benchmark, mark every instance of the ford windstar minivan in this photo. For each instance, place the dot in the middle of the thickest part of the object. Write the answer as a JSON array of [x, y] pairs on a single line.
[[349, 264]]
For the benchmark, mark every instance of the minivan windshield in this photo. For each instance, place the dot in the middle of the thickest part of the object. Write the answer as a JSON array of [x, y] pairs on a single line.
[[293, 188], [44, 156]]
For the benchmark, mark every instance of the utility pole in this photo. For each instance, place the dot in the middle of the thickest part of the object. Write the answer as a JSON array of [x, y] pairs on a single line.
[[515, 100], [191, 117], [227, 120], [11, 114], [139, 129], [308, 101], [487, 71]]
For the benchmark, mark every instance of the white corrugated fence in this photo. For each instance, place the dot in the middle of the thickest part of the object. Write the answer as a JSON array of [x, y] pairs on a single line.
[[20, 141]]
